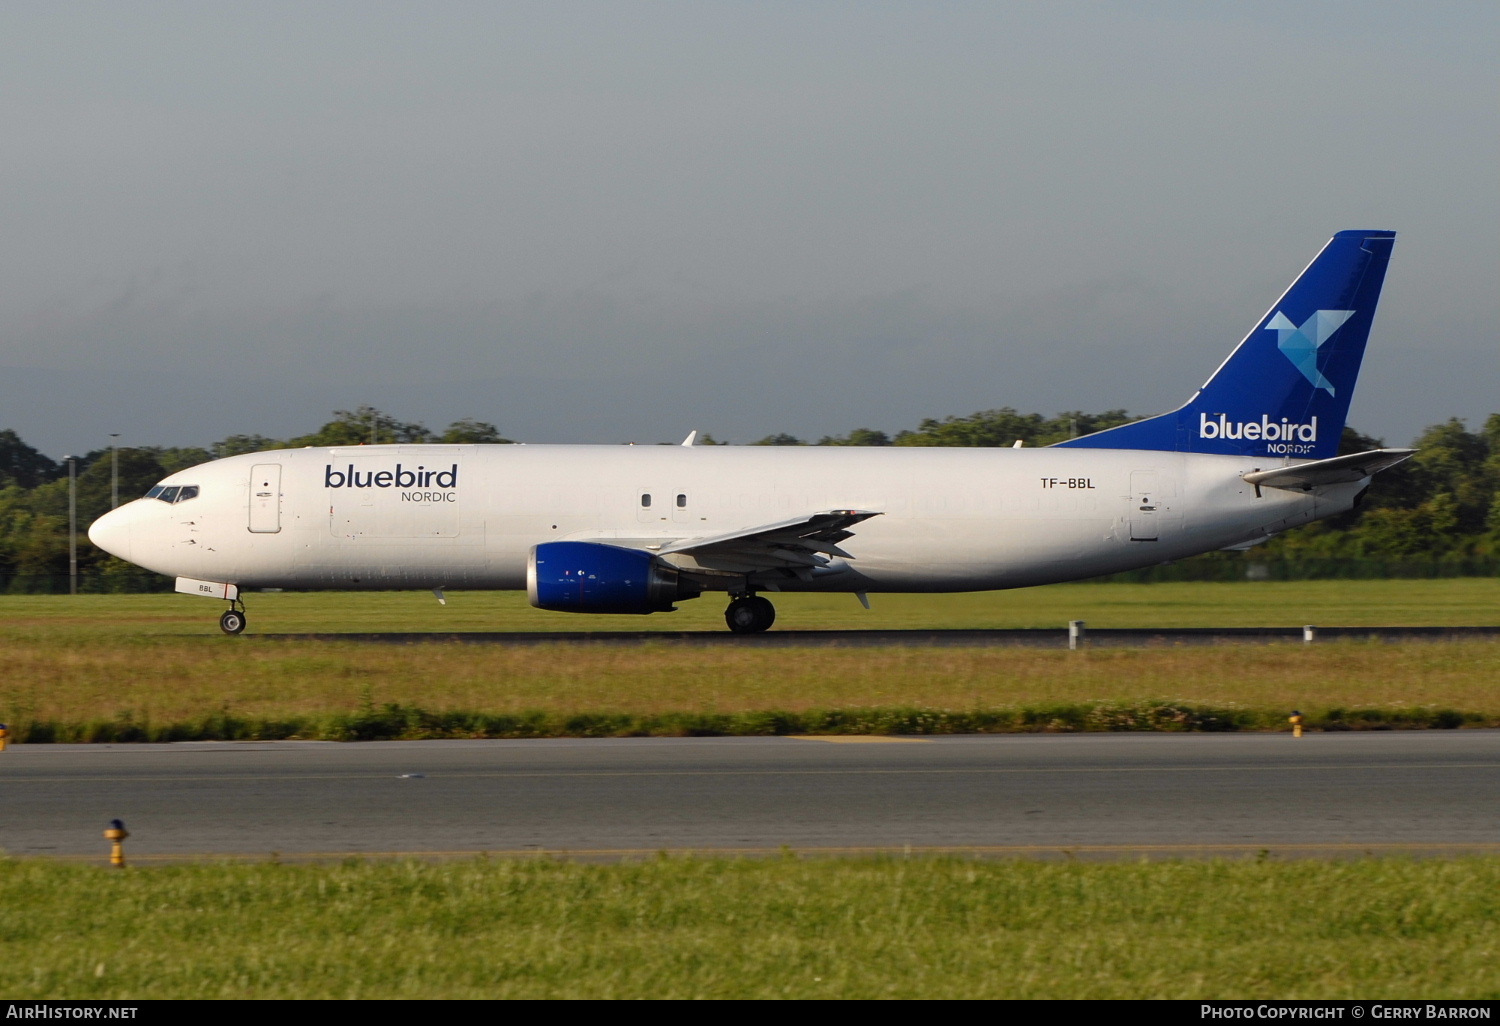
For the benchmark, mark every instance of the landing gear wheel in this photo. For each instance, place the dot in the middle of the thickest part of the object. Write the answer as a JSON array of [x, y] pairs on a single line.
[[232, 622], [750, 615]]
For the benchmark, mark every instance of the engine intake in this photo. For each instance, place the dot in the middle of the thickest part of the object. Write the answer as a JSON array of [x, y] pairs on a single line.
[[590, 577]]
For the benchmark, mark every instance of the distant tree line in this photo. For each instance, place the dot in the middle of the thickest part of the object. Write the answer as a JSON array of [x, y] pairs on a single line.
[[993, 428], [1435, 515]]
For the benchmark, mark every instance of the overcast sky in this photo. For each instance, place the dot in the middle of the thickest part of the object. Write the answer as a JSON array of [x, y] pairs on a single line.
[[625, 220]]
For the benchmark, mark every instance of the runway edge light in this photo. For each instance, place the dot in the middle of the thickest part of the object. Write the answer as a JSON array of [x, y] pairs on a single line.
[[1077, 631], [116, 835], [4, 737], [1295, 719]]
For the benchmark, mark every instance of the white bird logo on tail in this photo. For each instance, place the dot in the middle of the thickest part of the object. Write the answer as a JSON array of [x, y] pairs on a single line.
[[1300, 345]]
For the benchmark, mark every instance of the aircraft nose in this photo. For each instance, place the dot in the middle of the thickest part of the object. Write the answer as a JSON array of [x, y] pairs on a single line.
[[111, 532]]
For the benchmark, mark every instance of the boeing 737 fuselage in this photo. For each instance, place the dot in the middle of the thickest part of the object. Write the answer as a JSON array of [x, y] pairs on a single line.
[[634, 529]]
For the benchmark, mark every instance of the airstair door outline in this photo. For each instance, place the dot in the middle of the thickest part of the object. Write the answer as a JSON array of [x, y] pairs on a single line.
[[265, 498]]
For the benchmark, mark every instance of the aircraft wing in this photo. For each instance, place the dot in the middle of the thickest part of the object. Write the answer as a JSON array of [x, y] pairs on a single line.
[[803, 543], [1338, 470]]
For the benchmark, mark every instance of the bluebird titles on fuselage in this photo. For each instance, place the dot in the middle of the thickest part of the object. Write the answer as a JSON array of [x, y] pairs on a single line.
[[421, 477]]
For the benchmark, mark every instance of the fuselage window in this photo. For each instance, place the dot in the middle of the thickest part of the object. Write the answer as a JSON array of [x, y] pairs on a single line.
[[682, 502], [169, 494], [646, 501]]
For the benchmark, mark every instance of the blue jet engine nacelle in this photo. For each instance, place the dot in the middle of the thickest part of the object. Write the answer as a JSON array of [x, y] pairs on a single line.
[[589, 577]]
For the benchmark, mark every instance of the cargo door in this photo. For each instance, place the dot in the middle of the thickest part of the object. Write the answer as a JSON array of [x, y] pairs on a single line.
[[265, 498]]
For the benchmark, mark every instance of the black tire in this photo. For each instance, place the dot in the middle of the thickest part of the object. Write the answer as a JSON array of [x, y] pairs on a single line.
[[232, 622], [750, 615]]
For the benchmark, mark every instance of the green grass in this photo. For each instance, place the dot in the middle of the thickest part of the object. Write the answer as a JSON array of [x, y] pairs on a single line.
[[1462, 601], [720, 928], [190, 689], [113, 668]]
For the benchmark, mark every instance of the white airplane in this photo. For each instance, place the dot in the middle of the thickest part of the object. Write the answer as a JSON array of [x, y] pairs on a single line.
[[634, 529]]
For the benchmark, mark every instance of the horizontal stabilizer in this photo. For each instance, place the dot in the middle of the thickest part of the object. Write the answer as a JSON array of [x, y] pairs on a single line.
[[1339, 470]]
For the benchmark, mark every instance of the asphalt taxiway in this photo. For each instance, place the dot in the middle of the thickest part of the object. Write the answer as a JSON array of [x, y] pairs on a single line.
[[1091, 794]]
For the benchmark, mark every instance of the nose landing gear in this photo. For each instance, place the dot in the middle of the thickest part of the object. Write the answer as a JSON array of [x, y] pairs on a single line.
[[750, 614], [233, 620]]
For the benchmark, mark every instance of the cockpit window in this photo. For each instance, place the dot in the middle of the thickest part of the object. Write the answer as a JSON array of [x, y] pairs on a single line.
[[173, 493]]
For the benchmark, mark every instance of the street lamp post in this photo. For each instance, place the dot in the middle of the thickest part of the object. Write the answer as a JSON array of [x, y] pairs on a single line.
[[114, 471], [72, 525]]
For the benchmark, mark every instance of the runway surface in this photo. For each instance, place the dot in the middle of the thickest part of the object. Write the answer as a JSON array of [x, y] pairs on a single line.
[[1026, 638], [1091, 795]]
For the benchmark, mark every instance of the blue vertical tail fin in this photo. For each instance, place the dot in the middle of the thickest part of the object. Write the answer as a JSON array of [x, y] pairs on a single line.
[[1285, 389]]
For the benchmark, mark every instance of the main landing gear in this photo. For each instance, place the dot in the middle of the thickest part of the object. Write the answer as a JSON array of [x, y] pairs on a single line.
[[750, 614], [233, 620]]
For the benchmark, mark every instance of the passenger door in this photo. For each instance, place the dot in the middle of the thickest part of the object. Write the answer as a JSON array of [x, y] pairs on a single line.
[[1145, 506], [265, 498]]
